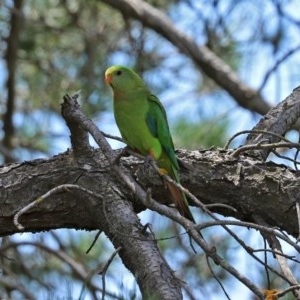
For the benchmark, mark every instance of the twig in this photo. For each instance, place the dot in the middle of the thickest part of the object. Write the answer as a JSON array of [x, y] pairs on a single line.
[[216, 278], [290, 257], [148, 226], [244, 148], [94, 241], [57, 189], [77, 268], [282, 261], [288, 273], [255, 131], [250, 251], [263, 228], [289, 289], [16, 286], [104, 269], [277, 64], [221, 205], [113, 137], [266, 263], [287, 158]]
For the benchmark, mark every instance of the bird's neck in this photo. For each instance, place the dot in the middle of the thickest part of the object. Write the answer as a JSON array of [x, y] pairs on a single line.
[[129, 95]]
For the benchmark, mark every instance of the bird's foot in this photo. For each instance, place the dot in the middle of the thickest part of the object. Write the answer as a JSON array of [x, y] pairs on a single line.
[[148, 161], [162, 171], [125, 152]]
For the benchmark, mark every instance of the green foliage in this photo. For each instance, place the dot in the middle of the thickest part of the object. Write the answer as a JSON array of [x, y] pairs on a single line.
[[61, 50], [202, 134]]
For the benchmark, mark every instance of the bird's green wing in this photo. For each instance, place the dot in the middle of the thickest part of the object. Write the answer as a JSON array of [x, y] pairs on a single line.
[[157, 121]]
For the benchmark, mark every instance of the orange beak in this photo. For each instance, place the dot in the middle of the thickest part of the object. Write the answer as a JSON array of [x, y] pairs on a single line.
[[108, 78]]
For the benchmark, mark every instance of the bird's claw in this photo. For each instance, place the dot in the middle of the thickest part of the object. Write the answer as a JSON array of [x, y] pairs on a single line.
[[148, 160], [162, 171], [124, 153]]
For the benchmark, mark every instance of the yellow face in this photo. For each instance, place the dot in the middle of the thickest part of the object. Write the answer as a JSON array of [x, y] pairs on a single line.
[[122, 78]]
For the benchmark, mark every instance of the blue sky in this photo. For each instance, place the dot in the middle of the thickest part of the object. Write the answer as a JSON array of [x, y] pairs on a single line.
[[181, 99]]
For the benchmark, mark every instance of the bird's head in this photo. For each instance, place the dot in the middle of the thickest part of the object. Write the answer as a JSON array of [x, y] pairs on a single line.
[[121, 78]]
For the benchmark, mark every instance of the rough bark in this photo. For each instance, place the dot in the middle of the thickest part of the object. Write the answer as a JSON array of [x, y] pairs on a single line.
[[279, 120], [20, 184], [250, 186]]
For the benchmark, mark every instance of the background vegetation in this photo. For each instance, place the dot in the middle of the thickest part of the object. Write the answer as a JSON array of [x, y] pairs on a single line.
[[50, 48]]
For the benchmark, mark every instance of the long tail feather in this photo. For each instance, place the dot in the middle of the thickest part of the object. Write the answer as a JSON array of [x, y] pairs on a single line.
[[180, 201]]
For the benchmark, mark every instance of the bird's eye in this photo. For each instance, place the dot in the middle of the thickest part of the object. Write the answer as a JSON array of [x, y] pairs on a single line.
[[119, 72]]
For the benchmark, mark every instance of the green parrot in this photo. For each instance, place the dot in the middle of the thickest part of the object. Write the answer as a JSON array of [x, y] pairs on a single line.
[[143, 124]]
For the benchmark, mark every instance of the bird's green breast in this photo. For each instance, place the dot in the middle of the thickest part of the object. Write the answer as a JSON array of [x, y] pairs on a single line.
[[130, 113]]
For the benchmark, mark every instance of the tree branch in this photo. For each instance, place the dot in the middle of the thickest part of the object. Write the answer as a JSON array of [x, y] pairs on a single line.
[[278, 120], [244, 183], [79, 137]]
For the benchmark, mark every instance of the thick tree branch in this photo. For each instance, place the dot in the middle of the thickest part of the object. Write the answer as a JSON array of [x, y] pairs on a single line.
[[204, 58], [278, 120], [252, 187], [79, 137]]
